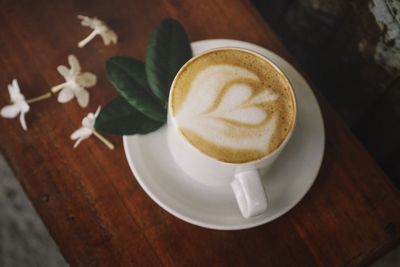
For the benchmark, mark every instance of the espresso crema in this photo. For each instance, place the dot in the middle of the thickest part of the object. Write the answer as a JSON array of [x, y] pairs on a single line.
[[232, 105]]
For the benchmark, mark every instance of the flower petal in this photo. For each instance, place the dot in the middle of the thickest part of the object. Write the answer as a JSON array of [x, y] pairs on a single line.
[[97, 24], [74, 63], [78, 142], [81, 132], [82, 97], [15, 85], [23, 107], [10, 111], [65, 95], [14, 90], [88, 121], [82, 17], [11, 92], [86, 79], [64, 71], [85, 21], [22, 121], [97, 112], [109, 36]]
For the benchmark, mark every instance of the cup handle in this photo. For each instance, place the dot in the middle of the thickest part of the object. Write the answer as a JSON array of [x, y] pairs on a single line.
[[249, 193]]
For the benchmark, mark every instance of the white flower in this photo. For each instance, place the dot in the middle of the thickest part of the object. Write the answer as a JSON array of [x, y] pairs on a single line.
[[99, 27], [18, 106], [75, 83], [87, 130]]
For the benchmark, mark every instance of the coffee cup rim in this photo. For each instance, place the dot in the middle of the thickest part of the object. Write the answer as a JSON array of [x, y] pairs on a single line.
[[255, 161]]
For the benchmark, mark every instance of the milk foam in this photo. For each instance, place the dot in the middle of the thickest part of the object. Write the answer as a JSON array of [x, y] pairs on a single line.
[[232, 105], [237, 120]]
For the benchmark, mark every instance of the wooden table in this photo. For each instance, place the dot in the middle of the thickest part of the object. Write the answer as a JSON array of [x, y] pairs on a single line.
[[88, 198]]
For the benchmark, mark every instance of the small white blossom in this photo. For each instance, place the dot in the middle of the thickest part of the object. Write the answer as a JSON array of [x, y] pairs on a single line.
[[18, 106], [75, 83], [87, 130], [99, 27]]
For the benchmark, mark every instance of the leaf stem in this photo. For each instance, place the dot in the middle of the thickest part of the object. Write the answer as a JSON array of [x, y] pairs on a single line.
[[38, 98], [104, 140], [57, 88]]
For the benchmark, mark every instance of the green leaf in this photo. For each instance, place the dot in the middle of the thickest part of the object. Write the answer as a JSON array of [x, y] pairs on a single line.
[[119, 117], [124, 74], [136, 69], [167, 51]]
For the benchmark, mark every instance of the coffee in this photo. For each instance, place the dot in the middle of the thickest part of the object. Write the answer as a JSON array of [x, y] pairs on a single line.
[[232, 105]]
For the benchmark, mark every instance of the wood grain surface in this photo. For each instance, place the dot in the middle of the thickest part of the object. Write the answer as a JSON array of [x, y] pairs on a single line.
[[88, 197]]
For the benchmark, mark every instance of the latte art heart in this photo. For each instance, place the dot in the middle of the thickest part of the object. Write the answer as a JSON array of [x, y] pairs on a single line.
[[229, 109], [238, 104]]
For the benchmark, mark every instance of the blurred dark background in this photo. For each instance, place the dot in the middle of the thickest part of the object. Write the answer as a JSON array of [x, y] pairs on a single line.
[[351, 51]]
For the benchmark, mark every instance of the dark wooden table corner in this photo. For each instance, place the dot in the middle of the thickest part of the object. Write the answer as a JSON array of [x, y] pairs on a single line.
[[88, 198]]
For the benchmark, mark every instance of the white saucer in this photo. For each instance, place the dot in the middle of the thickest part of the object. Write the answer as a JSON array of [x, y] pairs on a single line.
[[286, 183]]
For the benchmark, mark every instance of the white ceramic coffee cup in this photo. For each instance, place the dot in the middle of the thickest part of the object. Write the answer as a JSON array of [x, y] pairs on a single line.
[[245, 179]]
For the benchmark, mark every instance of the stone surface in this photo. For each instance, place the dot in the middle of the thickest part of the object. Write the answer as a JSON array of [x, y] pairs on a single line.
[[24, 240], [387, 15], [392, 259]]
